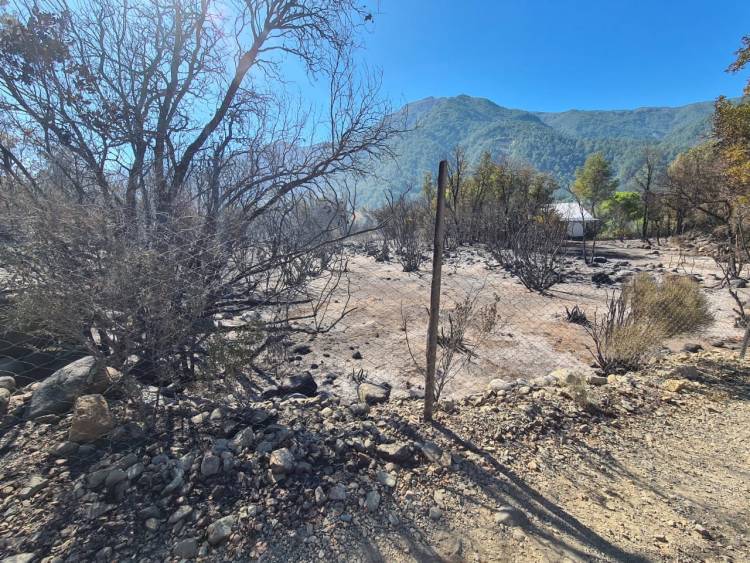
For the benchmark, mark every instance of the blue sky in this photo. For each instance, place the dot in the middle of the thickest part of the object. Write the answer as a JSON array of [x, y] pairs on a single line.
[[553, 55]]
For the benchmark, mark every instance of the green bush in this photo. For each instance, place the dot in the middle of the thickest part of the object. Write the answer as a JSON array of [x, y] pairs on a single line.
[[641, 316]]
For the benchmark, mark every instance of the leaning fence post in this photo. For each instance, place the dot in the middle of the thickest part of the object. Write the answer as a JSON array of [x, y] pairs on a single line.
[[437, 268]]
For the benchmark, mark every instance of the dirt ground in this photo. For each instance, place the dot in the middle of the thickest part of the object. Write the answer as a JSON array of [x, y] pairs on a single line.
[[533, 338], [668, 483]]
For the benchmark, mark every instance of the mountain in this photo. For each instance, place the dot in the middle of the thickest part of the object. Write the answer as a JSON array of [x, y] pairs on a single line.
[[557, 143]]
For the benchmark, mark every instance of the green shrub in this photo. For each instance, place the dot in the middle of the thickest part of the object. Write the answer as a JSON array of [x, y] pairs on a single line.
[[641, 316]]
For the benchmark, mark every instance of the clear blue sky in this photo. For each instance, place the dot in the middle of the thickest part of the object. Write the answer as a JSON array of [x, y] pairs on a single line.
[[553, 55]]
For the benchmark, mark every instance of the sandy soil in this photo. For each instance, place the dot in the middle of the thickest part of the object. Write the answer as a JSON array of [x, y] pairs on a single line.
[[533, 338]]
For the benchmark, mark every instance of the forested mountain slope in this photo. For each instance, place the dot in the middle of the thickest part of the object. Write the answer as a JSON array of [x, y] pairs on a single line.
[[557, 143]]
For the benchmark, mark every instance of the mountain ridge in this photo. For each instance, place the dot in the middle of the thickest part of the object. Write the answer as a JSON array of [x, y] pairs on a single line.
[[553, 142]]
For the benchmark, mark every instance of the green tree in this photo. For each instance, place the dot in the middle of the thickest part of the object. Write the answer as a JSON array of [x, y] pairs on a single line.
[[621, 211], [595, 182]]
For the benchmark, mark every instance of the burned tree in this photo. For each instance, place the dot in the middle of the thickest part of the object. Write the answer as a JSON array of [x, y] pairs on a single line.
[[158, 175]]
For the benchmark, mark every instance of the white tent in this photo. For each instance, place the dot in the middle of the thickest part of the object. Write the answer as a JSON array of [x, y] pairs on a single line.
[[577, 218]]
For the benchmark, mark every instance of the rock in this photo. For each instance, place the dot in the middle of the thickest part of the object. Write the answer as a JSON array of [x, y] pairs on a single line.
[[91, 419], [320, 496], [115, 477], [544, 381], [675, 385], [152, 524], [19, 558], [48, 419], [220, 530], [186, 549], [500, 385], [242, 440], [181, 513], [281, 461], [397, 452], [337, 493], [359, 409], [385, 479], [431, 451], [738, 283], [372, 394], [596, 380], [508, 516], [65, 449], [435, 513], [4, 401], [8, 382], [567, 376], [304, 384], [601, 278], [57, 394], [302, 349], [210, 465], [372, 501], [689, 372], [129, 433], [35, 484], [357, 355]]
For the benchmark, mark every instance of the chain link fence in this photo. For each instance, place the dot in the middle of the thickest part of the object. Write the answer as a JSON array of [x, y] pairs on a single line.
[[361, 317]]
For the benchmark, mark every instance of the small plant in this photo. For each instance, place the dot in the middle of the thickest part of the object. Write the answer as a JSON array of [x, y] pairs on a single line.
[[641, 316], [463, 328], [359, 376], [577, 316]]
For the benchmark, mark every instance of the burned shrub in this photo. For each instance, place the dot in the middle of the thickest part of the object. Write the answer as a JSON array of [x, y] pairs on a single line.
[[577, 316], [533, 250], [404, 223]]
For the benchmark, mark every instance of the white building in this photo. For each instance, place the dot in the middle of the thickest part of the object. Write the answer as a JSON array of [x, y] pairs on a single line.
[[577, 218]]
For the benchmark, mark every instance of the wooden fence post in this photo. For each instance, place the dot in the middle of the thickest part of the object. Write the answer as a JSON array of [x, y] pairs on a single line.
[[437, 269], [745, 339]]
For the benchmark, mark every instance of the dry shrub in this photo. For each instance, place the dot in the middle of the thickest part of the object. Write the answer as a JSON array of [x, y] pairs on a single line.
[[641, 316], [462, 329]]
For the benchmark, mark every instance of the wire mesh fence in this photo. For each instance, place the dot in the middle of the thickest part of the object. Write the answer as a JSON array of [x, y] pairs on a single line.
[[345, 316]]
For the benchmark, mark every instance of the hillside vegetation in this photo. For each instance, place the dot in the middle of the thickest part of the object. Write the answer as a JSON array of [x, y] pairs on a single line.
[[557, 143]]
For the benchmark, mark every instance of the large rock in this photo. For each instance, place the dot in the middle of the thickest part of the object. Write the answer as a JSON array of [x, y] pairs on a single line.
[[58, 393], [91, 419], [372, 394]]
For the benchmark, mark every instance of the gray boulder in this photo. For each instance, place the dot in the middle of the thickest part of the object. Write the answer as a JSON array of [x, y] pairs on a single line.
[[58, 393]]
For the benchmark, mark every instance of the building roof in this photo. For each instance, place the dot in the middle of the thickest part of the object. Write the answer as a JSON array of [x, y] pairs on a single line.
[[571, 211]]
